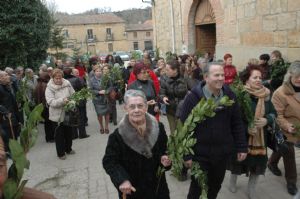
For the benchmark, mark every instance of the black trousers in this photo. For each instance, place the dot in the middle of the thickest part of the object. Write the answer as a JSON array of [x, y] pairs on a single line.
[[215, 169], [113, 113], [289, 162], [81, 128], [63, 138], [49, 132], [7, 134]]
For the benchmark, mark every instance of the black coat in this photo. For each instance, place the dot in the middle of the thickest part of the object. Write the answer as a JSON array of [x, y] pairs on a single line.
[[217, 136], [148, 88], [8, 104], [123, 163], [175, 89]]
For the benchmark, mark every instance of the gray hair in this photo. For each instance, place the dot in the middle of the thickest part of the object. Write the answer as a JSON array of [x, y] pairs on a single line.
[[28, 70], [208, 66], [293, 70], [134, 93], [43, 68], [9, 70]]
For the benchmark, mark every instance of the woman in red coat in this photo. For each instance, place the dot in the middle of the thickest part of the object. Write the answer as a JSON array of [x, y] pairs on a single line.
[[229, 69]]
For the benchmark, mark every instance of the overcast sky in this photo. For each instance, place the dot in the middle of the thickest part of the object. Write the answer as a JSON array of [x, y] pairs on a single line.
[[78, 6]]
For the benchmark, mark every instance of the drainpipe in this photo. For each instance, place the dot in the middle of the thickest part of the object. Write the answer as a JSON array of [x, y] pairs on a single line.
[[172, 26]]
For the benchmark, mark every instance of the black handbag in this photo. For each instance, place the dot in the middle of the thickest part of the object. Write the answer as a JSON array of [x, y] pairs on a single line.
[[72, 117], [276, 139]]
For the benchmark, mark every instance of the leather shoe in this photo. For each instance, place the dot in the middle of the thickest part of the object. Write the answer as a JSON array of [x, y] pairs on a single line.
[[63, 157], [292, 189], [86, 136], [274, 169]]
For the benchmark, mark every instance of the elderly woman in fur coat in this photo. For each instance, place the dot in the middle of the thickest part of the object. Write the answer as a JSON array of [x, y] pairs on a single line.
[[136, 150]]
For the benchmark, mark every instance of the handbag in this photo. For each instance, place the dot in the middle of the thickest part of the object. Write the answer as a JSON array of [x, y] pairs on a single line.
[[276, 139], [72, 117]]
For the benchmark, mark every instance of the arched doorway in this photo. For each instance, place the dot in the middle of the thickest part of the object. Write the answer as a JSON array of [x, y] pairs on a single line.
[[205, 27]]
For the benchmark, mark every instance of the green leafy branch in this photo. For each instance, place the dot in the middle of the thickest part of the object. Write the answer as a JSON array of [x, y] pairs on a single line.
[[279, 68], [14, 185], [77, 97], [297, 130], [243, 99], [115, 77], [182, 141]]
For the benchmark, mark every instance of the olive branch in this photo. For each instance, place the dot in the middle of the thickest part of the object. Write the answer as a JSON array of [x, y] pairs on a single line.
[[77, 97], [181, 142]]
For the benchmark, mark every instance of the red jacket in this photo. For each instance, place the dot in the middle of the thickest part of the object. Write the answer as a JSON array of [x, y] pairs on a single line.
[[154, 78], [81, 70], [230, 73]]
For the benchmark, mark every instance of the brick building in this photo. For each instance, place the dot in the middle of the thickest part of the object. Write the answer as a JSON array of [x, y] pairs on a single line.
[[245, 28]]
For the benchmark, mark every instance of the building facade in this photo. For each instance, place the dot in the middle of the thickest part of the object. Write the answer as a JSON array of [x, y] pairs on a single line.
[[140, 36], [96, 34], [244, 28]]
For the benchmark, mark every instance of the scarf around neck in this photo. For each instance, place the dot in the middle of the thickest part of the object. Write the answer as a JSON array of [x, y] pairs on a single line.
[[256, 135]]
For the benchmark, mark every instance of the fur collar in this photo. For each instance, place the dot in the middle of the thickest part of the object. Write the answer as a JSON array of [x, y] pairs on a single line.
[[54, 87], [141, 145]]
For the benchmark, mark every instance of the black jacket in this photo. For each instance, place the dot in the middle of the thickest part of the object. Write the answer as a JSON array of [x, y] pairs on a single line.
[[123, 163], [175, 89], [8, 104], [216, 136]]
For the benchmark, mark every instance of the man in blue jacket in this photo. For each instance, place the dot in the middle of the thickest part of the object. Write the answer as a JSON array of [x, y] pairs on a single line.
[[216, 137]]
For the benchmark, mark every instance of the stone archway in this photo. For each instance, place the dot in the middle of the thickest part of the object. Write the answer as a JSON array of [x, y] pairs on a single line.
[[189, 29], [205, 23]]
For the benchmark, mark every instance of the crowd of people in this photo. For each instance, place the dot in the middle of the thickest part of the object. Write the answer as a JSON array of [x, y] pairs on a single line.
[[172, 87]]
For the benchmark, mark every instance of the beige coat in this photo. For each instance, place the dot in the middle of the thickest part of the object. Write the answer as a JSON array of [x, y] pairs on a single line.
[[55, 95], [287, 104]]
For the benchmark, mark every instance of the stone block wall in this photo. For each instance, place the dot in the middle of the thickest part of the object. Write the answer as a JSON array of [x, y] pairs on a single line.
[[245, 28]]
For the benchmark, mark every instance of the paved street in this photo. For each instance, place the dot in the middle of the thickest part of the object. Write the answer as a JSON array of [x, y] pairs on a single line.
[[81, 176]]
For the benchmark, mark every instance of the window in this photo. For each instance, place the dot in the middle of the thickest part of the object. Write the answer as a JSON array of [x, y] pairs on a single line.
[[148, 34], [68, 45], [135, 34], [66, 33], [71, 45], [108, 31], [110, 47], [148, 45], [90, 34], [135, 45]]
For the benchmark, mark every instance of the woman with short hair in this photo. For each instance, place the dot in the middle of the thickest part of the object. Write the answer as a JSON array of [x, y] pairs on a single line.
[[229, 70], [264, 113], [146, 85], [100, 100], [57, 93], [286, 100], [136, 150]]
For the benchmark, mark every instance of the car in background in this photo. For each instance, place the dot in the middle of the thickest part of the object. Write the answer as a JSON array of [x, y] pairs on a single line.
[[137, 54], [102, 57], [124, 56]]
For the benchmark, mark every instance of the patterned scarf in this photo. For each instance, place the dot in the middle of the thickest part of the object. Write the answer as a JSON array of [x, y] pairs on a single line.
[[256, 142]]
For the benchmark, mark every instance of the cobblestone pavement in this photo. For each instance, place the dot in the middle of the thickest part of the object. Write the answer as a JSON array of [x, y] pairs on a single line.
[[81, 176]]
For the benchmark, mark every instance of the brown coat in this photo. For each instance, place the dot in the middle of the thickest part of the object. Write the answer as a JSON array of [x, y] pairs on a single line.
[[287, 104]]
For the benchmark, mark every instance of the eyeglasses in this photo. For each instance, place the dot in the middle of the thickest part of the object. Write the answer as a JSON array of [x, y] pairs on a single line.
[[134, 106]]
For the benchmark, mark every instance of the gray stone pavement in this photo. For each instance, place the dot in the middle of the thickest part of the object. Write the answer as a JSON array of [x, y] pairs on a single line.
[[81, 176]]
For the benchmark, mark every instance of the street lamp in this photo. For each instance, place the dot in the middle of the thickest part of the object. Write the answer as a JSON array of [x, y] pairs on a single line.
[[152, 2]]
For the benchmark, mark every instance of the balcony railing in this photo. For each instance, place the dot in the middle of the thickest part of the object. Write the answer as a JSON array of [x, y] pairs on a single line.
[[91, 38], [110, 37]]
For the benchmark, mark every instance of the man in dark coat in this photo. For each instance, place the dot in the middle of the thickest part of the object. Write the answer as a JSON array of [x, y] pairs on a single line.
[[77, 85], [136, 150], [216, 137], [9, 118]]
